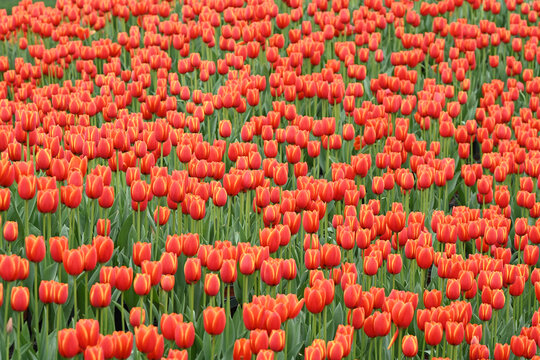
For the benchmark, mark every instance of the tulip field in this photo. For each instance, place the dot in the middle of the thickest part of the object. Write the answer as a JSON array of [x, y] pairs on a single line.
[[270, 179]]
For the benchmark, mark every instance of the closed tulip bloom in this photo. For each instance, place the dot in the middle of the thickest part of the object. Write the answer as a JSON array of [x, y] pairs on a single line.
[[454, 332], [432, 299], [288, 269], [20, 298], [370, 265], [73, 261], [137, 316], [394, 263], [154, 269], [501, 352], [276, 342], [47, 200], [228, 271], [46, 295], [473, 331], [409, 346], [497, 299], [352, 295], [57, 245], [146, 338], [167, 282], [141, 252], [94, 186], [104, 246], [214, 320], [94, 353], [35, 248], [184, 335], [123, 277], [177, 354], [484, 312], [211, 284], [9, 267], [334, 350], [142, 284], [192, 270], [453, 289], [311, 221], [330, 255], [168, 324], [100, 295], [11, 231], [27, 187], [123, 344], [258, 340], [314, 353], [433, 333], [87, 332], [242, 349], [103, 227], [60, 293], [402, 314], [314, 299], [271, 272], [68, 344]]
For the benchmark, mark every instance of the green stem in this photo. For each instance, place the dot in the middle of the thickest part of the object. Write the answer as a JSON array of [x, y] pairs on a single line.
[[122, 311], [36, 315], [213, 347], [75, 299], [191, 301], [19, 317], [151, 306]]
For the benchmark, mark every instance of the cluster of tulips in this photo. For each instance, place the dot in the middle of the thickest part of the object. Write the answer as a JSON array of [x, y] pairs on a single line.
[[270, 179]]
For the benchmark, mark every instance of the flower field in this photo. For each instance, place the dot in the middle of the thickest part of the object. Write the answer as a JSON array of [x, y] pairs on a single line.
[[267, 179]]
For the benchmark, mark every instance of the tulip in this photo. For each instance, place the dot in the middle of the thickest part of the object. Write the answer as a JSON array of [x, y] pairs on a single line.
[[100, 295], [137, 316], [258, 340], [242, 349], [142, 284], [214, 320], [211, 284], [409, 346], [11, 231], [20, 298], [87, 331], [68, 343], [433, 333], [184, 335]]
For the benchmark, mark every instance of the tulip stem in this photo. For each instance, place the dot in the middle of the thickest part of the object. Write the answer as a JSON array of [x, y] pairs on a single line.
[[245, 290], [324, 322], [36, 315], [26, 221], [122, 311], [191, 301], [75, 299], [228, 310], [86, 294], [212, 347], [19, 316], [151, 306]]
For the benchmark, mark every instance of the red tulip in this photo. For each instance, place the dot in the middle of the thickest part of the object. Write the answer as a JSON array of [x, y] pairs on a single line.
[[214, 320], [68, 344], [409, 346], [20, 298], [87, 332], [11, 231], [184, 335], [100, 295], [242, 349]]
